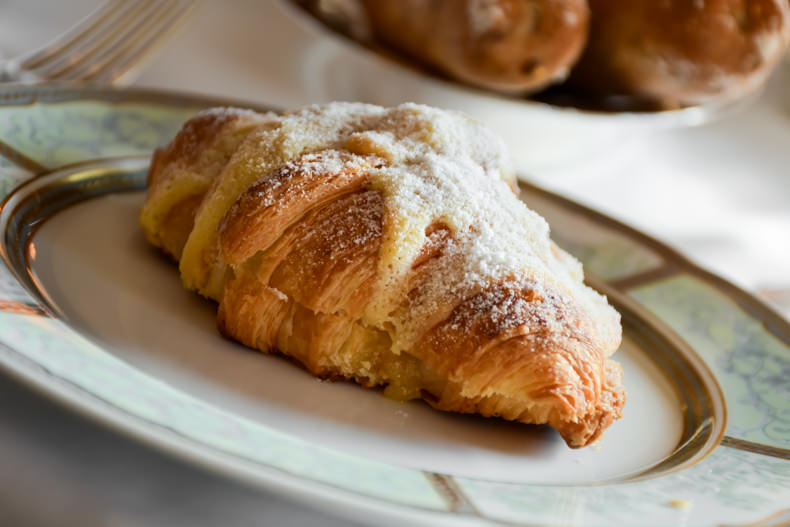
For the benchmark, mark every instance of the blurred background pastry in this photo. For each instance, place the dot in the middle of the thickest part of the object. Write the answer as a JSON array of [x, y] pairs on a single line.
[[641, 55], [682, 52], [513, 46]]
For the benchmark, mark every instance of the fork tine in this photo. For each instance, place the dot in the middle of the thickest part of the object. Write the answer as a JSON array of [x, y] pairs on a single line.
[[74, 35], [139, 31], [135, 52], [96, 43]]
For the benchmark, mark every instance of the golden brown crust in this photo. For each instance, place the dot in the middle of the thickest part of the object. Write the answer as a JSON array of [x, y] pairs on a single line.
[[302, 253], [506, 45], [267, 208], [182, 171], [327, 260], [682, 52], [177, 224], [197, 136], [513, 340]]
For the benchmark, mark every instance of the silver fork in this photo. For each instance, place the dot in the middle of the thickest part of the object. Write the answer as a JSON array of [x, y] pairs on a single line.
[[103, 47]]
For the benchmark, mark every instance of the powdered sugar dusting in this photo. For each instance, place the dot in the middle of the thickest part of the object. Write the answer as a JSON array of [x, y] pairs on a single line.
[[227, 112], [434, 166]]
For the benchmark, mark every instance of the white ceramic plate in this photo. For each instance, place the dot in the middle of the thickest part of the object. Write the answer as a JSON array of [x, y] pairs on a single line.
[[103, 324]]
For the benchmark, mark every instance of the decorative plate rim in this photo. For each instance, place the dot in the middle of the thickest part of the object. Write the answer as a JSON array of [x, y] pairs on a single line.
[[673, 265]]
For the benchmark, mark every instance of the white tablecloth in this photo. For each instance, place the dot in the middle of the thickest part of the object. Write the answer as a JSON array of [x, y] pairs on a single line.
[[720, 193]]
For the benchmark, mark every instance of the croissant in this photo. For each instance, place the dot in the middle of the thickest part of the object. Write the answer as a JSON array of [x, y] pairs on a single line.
[[387, 247]]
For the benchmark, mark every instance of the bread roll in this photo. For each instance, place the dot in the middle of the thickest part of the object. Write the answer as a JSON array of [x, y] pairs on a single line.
[[682, 52], [515, 46]]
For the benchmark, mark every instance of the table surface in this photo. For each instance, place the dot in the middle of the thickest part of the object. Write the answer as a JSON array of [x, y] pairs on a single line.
[[719, 193]]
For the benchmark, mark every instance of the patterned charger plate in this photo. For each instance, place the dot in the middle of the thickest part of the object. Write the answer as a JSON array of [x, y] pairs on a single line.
[[93, 316]]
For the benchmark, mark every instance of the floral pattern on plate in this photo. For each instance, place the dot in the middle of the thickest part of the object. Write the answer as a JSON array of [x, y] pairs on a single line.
[[11, 177], [57, 134], [728, 487], [751, 364]]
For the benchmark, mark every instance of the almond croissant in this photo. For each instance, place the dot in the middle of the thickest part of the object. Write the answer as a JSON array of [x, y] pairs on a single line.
[[387, 246]]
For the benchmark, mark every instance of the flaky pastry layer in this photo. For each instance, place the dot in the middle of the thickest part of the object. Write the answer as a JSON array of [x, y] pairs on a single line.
[[386, 246]]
